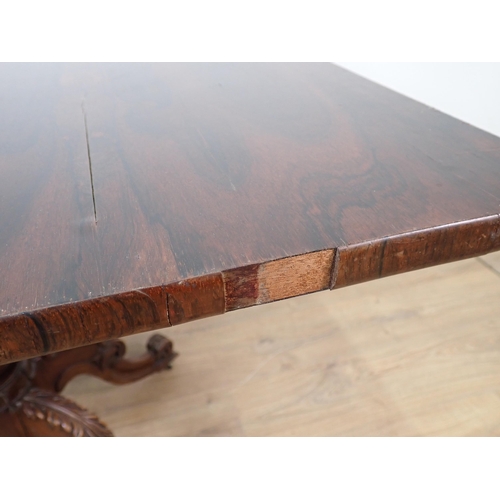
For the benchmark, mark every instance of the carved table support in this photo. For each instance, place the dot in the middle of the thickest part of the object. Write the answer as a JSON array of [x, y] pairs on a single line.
[[30, 405]]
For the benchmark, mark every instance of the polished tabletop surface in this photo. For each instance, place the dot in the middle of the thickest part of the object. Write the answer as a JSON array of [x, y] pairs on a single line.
[[119, 178]]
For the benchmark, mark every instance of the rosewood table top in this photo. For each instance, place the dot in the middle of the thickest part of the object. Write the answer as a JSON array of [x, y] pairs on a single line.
[[140, 196]]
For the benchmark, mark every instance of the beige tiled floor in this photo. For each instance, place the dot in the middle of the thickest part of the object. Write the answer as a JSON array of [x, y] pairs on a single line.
[[416, 354]]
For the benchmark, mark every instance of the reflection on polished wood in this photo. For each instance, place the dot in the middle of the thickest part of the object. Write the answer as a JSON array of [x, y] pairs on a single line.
[[413, 355]]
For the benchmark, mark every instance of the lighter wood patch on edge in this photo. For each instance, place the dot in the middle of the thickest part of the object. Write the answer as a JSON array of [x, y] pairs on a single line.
[[292, 276]]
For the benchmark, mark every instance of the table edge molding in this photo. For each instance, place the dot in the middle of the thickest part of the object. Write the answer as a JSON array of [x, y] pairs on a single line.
[[57, 328]]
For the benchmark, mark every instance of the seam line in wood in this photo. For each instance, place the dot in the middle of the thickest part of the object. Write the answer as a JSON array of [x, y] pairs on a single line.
[[335, 268], [168, 310]]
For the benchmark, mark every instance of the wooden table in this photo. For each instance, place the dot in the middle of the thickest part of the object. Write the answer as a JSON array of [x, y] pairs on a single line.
[[141, 196]]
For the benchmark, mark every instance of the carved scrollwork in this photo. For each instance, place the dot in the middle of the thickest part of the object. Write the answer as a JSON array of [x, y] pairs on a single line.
[[30, 405]]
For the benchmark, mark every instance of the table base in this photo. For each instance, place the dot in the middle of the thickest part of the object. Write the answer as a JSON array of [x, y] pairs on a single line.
[[30, 404]]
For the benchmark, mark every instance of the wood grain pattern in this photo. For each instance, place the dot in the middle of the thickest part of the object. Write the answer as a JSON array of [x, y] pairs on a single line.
[[59, 328], [416, 250], [195, 299], [218, 172]]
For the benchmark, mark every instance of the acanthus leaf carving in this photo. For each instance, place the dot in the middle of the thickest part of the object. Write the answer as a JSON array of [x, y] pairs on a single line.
[[62, 413]]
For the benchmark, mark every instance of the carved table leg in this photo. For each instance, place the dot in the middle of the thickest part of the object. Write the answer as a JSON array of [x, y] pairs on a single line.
[[30, 405]]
